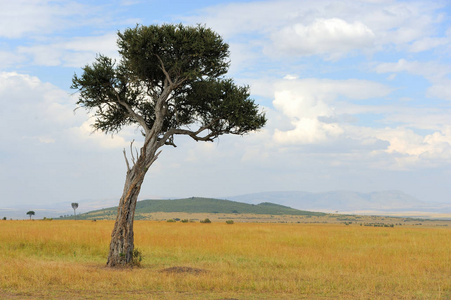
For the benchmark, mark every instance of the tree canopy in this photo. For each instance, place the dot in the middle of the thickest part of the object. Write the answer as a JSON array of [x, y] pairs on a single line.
[[168, 73]]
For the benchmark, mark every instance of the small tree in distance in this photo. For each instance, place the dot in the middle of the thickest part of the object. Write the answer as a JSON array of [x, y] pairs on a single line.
[[74, 207], [169, 82], [30, 213]]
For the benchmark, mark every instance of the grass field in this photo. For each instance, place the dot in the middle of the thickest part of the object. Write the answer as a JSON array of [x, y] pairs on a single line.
[[66, 260]]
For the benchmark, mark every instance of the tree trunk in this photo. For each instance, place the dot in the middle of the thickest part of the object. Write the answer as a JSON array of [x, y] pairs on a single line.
[[121, 246], [122, 243]]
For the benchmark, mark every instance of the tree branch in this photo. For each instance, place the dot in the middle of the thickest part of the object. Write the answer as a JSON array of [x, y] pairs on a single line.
[[130, 111], [154, 158], [168, 78], [172, 84], [131, 152], [126, 161], [168, 139]]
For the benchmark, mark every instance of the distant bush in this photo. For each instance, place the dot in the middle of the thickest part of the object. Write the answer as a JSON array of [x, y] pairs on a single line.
[[171, 221], [207, 220], [378, 225], [229, 222], [185, 221], [4, 218]]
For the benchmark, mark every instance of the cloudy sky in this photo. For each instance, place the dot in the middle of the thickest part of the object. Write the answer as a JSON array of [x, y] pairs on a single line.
[[357, 94]]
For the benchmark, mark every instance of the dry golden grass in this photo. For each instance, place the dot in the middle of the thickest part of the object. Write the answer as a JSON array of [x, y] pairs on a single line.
[[65, 260]]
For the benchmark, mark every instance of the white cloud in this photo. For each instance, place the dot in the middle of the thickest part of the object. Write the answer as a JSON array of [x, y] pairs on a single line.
[[440, 89], [310, 105], [75, 52], [428, 43], [319, 113], [237, 18], [328, 28], [334, 37], [37, 17], [308, 131], [434, 72], [416, 150], [32, 112], [38, 111], [9, 59], [85, 134], [426, 69], [290, 77]]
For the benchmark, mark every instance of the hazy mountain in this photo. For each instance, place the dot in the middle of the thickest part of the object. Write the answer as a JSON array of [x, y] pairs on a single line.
[[345, 201], [199, 205]]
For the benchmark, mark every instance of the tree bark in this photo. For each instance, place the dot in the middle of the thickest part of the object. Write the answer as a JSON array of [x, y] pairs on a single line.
[[122, 243]]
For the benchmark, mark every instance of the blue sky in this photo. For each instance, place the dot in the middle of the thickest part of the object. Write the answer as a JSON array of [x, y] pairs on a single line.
[[357, 94]]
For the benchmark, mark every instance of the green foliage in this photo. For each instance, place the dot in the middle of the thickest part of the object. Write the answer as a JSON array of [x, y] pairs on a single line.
[[207, 220], [185, 51], [171, 221], [4, 218], [229, 222], [185, 221], [183, 65]]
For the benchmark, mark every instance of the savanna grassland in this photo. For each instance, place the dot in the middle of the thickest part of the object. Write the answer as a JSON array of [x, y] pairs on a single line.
[[66, 260]]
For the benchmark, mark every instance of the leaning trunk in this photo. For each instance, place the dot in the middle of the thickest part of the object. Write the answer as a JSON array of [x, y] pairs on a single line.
[[121, 246]]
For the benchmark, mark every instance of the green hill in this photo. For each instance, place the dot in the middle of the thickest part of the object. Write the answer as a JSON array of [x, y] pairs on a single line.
[[199, 205]]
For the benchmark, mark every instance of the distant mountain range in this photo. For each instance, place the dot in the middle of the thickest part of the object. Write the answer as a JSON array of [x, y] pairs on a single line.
[[382, 203], [347, 201]]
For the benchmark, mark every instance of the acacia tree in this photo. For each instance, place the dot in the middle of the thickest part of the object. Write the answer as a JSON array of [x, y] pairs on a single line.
[[169, 82], [74, 207], [31, 213]]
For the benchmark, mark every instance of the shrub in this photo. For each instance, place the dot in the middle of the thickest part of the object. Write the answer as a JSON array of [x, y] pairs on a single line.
[[207, 220], [185, 221], [137, 257], [229, 222], [171, 221]]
